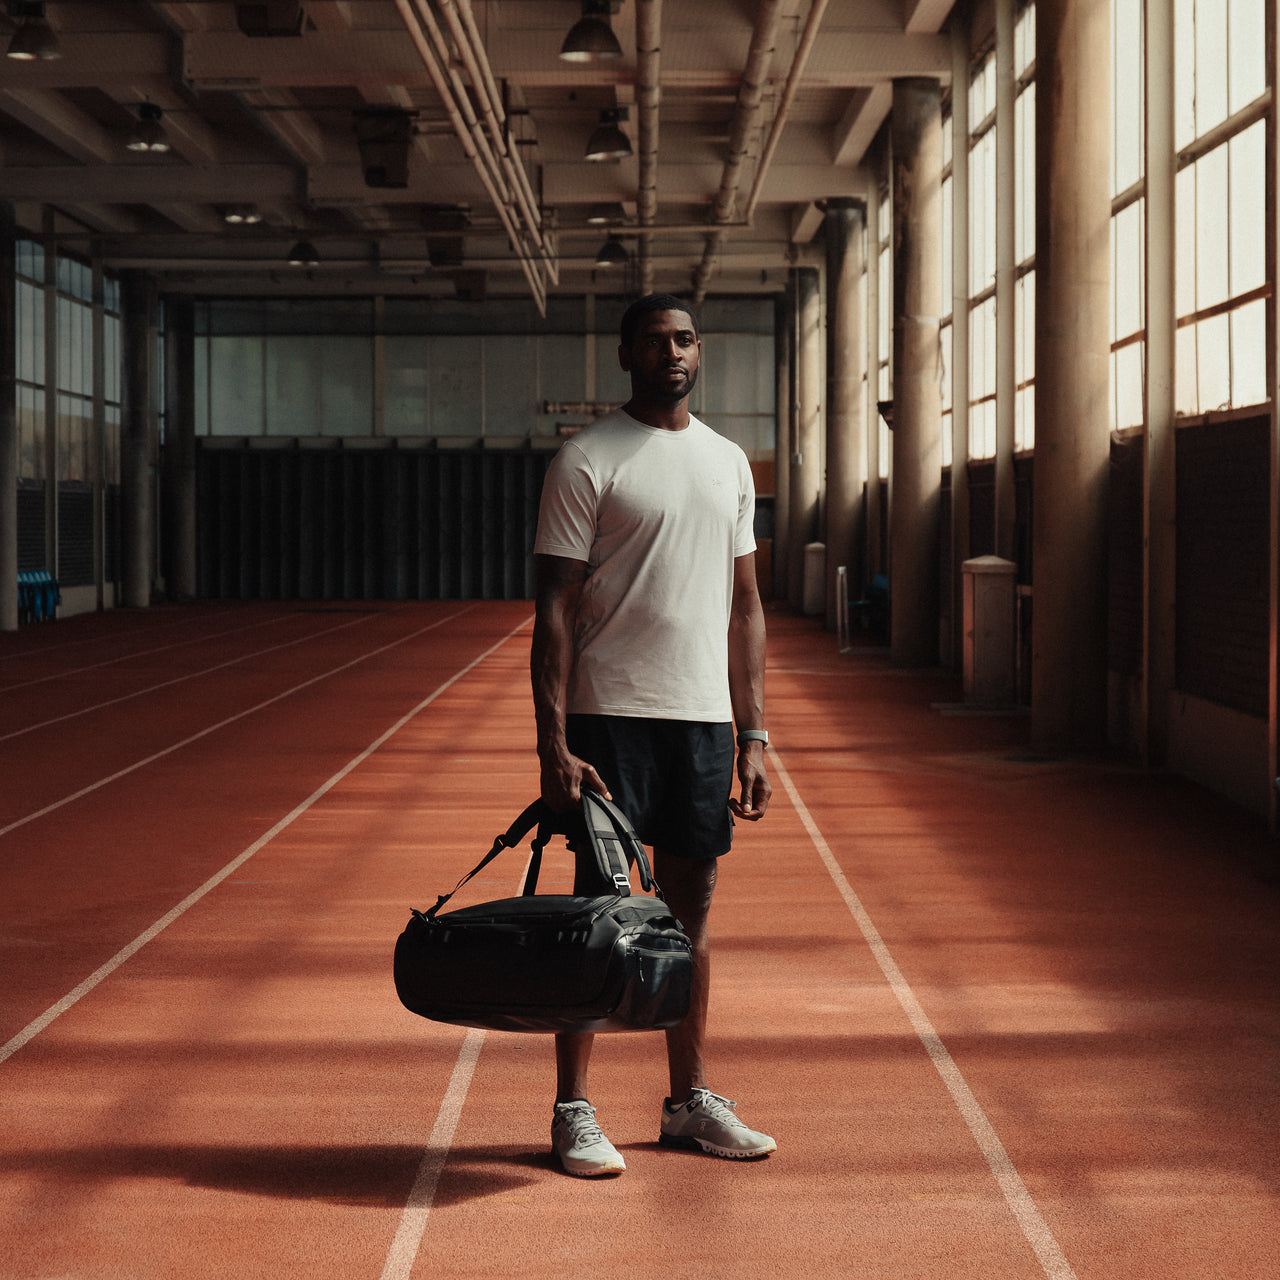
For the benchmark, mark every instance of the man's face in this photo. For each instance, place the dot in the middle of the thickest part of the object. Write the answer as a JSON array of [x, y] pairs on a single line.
[[663, 360]]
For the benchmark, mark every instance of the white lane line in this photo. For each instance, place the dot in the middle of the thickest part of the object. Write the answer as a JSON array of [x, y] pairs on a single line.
[[1028, 1217], [222, 724], [33, 1029], [139, 653], [165, 684], [413, 1220]]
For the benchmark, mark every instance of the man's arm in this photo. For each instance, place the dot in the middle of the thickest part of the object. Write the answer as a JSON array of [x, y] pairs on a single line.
[[558, 591], [746, 687]]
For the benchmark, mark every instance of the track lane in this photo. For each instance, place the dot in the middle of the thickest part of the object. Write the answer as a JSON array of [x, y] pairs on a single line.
[[78, 883]]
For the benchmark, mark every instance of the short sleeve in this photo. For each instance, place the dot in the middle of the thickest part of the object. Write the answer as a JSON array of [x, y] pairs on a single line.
[[744, 538], [567, 512]]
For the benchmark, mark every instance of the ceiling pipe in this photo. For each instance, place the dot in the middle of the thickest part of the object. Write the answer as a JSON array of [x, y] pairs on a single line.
[[460, 20], [745, 115], [416, 16], [648, 96], [477, 43], [798, 64]]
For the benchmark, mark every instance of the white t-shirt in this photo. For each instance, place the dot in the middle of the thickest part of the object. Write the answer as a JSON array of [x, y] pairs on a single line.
[[659, 517]]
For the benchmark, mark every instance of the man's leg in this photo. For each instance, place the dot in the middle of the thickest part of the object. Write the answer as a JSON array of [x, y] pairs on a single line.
[[694, 1117], [573, 1054], [687, 885]]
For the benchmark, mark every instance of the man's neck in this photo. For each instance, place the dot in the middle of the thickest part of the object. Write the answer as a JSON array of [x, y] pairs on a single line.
[[666, 417]]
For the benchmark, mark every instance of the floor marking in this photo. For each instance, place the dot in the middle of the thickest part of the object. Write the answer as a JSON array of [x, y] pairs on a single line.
[[413, 1220], [165, 684], [33, 1029], [222, 724], [127, 657], [1033, 1226]]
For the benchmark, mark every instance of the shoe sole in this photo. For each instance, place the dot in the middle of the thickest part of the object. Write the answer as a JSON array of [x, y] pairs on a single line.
[[725, 1153], [593, 1173]]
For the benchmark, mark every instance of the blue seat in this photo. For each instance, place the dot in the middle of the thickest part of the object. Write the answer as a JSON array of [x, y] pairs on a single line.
[[38, 595]]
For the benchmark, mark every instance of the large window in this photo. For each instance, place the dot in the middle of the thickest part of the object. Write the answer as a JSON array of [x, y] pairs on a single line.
[[1220, 123], [29, 335], [1024, 230], [982, 260], [1128, 211], [946, 328]]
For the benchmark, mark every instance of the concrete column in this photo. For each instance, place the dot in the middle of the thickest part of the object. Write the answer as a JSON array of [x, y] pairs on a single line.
[[846, 226], [806, 460], [179, 485], [783, 328], [138, 441], [915, 501], [876, 559], [1073, 214], [1161, 252], [8, 428]]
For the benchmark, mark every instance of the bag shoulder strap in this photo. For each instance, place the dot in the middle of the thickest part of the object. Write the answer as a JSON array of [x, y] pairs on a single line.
[[612, 840], [535, 814]]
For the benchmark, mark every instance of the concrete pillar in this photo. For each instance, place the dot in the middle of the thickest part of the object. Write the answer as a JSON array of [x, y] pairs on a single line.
[[138, 441], [876, 557], [8, 428], [783, 329], [179, 484], [845, 226], [1073, 215], [806, 459], [915, 500]]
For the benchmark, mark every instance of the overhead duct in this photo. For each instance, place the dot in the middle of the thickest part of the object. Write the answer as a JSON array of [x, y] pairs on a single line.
[[384, 136], [648, 97], [495, 161], [745, 115], [744, 121]]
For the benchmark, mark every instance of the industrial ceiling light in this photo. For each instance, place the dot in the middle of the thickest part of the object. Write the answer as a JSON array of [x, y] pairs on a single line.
[[607, 141], [148, 134], [384, 136], [591, 38], [34, 39], [304, 254], [241, 214], [604, 215], [613, 253]]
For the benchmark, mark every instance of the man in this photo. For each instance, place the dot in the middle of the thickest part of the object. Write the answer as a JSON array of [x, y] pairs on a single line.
[[648, 645]]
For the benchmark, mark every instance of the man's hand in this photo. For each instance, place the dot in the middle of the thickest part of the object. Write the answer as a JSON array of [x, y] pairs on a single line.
[[754, 800], [564, 776]]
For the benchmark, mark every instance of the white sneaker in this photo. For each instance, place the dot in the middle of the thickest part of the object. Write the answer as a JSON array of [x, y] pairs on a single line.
[[707, 1122], [583, 1150]]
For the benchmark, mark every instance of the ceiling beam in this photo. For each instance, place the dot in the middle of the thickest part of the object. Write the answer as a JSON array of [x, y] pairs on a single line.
[[862, 119], [840, 59], [54, 119], [151, 183]]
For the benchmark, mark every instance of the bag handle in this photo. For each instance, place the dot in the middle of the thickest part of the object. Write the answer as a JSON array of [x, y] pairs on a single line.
[[613, 843], [618, 841]]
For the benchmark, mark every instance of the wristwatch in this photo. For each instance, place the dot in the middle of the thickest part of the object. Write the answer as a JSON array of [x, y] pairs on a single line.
[[753, 735]]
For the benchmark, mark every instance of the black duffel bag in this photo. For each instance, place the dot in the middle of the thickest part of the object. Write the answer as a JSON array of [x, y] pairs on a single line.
[[601, 959]]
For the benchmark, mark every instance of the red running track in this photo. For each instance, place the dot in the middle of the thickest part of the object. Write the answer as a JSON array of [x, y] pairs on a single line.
[[1005, 1017]]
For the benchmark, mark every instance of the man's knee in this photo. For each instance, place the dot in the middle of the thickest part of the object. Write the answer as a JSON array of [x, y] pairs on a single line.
[[687, 886]]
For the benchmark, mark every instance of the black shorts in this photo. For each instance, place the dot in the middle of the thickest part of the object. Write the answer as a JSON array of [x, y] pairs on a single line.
[[672, 778]]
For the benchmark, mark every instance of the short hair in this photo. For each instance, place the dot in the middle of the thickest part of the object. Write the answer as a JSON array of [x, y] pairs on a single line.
[[644, 306]]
